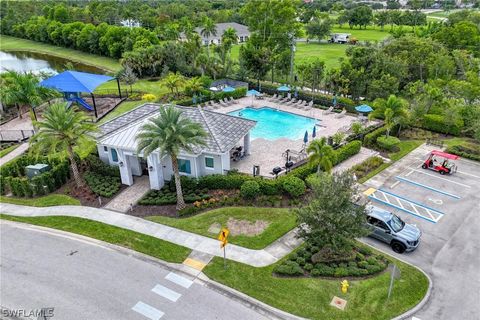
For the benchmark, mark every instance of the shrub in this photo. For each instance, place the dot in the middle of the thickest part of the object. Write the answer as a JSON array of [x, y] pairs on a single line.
[[294, 186], [220, 181], [289, 268], [98, 166], [437, 123], [388, 143], [149, 97], [362, 169], [293, 256], [308, 267], [347, 151], [341, 272], [365, 250], [359, 257], [301, 261], [465, 151], [249, 189], [105, 186], [269, 187], [372, 260], [323, 270], [370, 139], [363, 264]]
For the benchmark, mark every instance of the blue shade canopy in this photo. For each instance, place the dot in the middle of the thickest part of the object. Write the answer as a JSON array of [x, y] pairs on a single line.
[[252, 92], [74, 81], [283, 88], [305, 138], [228, 89], [314, 133], [364, 108]]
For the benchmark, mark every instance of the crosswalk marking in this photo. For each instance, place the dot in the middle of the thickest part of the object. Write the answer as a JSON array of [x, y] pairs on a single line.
[[148, 311], [181, 281], [166, 293]]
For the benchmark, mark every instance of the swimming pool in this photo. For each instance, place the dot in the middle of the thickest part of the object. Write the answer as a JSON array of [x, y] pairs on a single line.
[[275, 124]]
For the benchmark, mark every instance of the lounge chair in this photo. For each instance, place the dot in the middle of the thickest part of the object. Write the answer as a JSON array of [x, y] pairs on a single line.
[[329, 110], [273, 98], [298, 104], [341, 114], [308, 106], [227, 102], [232, 101], [289, 103], [223, 104]]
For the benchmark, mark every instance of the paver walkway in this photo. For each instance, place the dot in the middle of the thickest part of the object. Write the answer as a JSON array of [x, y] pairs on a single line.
[[256, 258], [129, 196], [15, 153]]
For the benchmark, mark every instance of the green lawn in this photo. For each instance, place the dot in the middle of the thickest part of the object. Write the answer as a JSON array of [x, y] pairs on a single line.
[[46, 201], [129, 239], [281, 221], [146, 86], [16, 44], [7, 150], [121, 109], [310, 297], [405, 147], [372, 33]]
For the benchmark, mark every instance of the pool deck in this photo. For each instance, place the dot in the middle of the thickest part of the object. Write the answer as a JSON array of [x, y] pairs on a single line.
[[268, 154]]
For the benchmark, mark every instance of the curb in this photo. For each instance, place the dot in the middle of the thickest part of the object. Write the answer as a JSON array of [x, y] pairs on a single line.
[[425, 299], [251, 303]]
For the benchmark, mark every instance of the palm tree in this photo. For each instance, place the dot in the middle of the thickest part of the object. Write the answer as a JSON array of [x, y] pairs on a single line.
[[194, 85], [169, 134], [173, 81], [321, 155], [61, 130], [394, 108], [209, 29], [22, 89], [129, 77]]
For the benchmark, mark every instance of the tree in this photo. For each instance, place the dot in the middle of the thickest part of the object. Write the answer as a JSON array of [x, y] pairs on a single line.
[[169, 134], [319, 27], [61, 130], [229, 37], [321, 155], [381, 18], [209, 28], [360, 16], [393, 110], [173, 81], [129, 77], [22, 89], [330, 219]]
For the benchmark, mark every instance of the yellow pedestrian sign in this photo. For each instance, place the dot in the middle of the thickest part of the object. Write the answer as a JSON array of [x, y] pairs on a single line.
[[223, 237]]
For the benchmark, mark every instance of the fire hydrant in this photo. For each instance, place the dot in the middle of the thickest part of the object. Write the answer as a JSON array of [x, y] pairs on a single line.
[[345, 286]]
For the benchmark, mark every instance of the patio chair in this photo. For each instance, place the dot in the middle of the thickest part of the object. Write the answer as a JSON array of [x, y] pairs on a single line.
[[227, 102], [329, 110], [232, 101], [274, 97], [298, 103], [341, 114], [289, 103], [308, 106], [223, 104]]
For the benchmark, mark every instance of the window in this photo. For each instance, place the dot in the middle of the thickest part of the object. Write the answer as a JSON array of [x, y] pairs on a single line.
[[209, 162], [184, 166], [105, 148], [114, 155]]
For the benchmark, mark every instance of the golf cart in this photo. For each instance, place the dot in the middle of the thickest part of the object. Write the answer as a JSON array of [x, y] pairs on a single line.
[[441, 162]]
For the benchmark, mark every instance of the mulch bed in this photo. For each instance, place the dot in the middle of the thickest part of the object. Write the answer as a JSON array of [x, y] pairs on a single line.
[[85, 195], [148, 211]]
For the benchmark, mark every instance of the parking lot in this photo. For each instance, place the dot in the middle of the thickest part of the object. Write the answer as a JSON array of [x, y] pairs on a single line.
[[446, 208]]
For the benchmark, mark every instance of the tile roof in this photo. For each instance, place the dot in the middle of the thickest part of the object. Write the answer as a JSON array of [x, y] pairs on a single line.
[[223, 131]]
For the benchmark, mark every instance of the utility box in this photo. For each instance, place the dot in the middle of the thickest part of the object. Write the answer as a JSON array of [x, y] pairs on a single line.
[[36, 169]]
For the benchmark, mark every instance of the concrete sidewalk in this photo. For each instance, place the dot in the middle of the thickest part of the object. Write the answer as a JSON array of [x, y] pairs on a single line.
[[256, 258], [15, 153]]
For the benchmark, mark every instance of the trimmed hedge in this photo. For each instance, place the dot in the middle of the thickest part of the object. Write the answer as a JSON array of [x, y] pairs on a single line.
[[294, 186], [249, 189], [208, 95], [98, 166], [388, 143], [13, 179], [370, 139], [437, 123], [347, 151]]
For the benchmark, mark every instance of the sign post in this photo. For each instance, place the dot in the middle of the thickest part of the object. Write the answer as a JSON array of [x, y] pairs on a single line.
[[223, 237]]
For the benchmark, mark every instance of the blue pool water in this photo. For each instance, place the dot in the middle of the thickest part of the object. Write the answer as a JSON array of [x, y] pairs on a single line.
[[274, 124]]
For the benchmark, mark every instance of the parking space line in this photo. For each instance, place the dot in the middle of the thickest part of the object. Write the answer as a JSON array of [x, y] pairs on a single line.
[[181, 281], [398, 201], [148, 311], [427, 187], [431, 175], [468, 174], [411, 201], [166, 293]]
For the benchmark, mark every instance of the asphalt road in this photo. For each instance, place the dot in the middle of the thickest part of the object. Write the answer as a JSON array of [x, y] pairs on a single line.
[[83, 280], [449, 247]]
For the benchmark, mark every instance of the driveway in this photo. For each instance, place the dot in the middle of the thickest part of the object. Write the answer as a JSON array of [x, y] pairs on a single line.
[[447, 210], [82, 280]]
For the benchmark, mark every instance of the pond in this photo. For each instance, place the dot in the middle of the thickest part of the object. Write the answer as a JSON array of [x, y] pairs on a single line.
[[37, 62]]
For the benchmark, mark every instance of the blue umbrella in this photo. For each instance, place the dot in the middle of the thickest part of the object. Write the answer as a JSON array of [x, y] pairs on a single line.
[[194, 99], [253, 92], [334, 101], [228, 89], [283, 88], [364, 108], [305, 138], [314, 133]]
